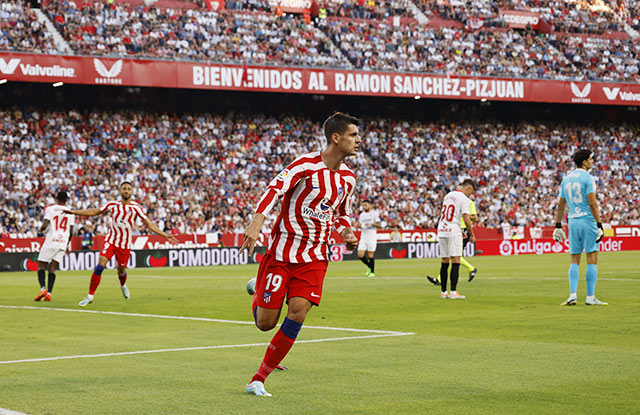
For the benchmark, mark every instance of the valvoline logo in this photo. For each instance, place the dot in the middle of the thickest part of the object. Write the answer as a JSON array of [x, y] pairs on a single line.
[[397, 253], [156, 261]]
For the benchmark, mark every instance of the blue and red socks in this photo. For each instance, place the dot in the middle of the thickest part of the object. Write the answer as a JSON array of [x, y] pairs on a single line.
[[278, 348], [123, 279], [95, 278]]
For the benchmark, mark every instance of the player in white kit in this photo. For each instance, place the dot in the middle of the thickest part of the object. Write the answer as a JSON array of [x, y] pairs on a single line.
[[59, 227], [369, 224], [454, 207]]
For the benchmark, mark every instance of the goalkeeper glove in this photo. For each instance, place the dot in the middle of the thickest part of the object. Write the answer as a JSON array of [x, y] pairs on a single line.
[[600, 234], [558, 233]]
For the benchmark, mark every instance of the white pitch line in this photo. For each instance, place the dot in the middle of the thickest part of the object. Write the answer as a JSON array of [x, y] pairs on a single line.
[[228, 346], [391, 277], [10, 412], [213, 320]]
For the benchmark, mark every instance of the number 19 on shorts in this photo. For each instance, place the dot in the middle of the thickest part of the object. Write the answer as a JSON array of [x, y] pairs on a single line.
[[274, 281]]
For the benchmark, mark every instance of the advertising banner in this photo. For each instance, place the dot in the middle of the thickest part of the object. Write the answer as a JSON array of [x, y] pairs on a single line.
[[171, 74], [211, 240], [509, 247], [516, 19], [197, 257]]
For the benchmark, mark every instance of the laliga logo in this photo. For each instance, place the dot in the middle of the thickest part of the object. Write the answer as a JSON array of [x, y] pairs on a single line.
[[581, 94], [108, 76], [506, 248], [9, 68]]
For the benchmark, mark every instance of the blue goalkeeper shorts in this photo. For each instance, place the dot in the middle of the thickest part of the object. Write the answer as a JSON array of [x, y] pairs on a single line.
[[582, 236]]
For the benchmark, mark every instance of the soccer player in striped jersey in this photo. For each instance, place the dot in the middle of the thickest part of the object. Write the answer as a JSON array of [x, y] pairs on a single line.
[[124, 215], [59, 227], [316, 191]]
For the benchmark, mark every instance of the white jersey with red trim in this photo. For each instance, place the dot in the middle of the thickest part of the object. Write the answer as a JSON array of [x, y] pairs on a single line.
[[123, 218], [455, 204], [314, 200], [58, 231]]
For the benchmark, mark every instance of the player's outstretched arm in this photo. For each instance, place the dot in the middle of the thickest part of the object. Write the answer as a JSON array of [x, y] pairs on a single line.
[[252, 233], [349, 238], [154, 228], [467, 221], [84, 212]]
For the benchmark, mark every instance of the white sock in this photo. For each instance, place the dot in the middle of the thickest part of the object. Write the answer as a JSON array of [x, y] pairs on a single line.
[[573, 295]]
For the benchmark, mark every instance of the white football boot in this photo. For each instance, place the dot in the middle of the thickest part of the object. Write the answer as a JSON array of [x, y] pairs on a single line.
[[453, 295], [257, 388], [86, 300], [125, 291]]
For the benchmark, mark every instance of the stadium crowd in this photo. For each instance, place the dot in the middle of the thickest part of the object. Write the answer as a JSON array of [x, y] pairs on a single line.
[[20, 30], [189, 34], [255, 37], [577, 16], [205, 173]]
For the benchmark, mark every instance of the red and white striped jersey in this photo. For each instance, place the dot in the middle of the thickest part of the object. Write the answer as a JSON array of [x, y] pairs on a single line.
[[123, 218], [314, 199]]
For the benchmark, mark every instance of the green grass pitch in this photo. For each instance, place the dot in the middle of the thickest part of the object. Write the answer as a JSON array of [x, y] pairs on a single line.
[[509, 348]]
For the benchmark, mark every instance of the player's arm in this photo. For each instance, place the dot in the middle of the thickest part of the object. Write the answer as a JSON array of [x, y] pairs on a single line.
[[154, 228], [343, 222], [284, 181], [69, 241], [473, 218], [558, 233], [44, 226], [85, 212], [252, 233], [467, 220], [595, 211]]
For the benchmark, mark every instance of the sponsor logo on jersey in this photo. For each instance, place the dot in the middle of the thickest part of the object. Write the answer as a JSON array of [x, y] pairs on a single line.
[[324, 205], [283, 174], [308, 212]]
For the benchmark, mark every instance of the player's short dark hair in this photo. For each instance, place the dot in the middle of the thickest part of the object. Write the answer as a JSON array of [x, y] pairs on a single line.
[[471, 183], [581, 156], [126, 182], [367, 201], [338, 122], [62, 196]]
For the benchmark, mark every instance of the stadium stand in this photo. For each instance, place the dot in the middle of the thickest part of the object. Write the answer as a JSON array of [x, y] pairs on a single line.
[[192, 171], [188, 34], [576, 16], [20, 31], [368, 40]]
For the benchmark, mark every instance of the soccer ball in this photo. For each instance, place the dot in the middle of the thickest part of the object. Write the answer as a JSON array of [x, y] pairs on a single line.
[[251, 286]]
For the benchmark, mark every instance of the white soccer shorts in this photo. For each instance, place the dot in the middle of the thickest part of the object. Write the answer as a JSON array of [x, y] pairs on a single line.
[[368, 243], [450, 246], [51, 254]]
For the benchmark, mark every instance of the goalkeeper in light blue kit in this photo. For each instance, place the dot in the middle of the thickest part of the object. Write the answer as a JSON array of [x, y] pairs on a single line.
[[577, 191]]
